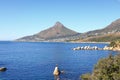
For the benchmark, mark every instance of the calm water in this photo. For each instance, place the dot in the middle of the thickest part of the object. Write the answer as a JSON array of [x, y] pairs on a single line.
[[36, 61]]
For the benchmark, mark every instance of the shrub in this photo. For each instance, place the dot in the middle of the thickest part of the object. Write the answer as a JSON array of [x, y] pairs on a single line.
[[106, 69]]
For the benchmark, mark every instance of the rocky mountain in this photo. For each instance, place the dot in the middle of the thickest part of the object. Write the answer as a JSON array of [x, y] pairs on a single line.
[[107, 34], [112, 28], [60, 33], [56, 33]]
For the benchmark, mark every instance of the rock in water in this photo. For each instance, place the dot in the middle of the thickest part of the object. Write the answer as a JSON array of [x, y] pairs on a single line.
[[56, 72], [3, 69]]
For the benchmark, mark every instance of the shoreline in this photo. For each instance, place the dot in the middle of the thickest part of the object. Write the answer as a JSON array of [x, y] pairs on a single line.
[[92, 42], [59, 42]]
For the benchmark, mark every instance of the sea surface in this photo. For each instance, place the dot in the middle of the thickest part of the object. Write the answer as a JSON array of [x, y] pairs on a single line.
[[37, 60]]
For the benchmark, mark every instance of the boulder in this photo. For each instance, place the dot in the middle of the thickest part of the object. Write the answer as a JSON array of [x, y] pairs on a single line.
[[3, 68]]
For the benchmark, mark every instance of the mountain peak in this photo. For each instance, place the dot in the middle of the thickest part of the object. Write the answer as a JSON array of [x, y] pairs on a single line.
[[55, 32], [58, 24], [115, 25], [117, 21]]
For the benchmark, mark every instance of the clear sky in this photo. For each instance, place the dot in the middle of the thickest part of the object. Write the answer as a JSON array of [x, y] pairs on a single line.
[[19, 18]]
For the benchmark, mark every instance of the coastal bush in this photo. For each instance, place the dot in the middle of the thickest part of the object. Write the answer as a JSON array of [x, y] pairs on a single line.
[[103, 38], [106, 69], [115, 43]]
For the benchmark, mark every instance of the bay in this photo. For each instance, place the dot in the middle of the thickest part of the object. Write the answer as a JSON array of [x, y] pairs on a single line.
[[37, 60]]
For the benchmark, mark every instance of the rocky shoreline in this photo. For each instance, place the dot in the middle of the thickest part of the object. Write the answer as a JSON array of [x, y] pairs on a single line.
[[87, 48], [111, 48], [96, 48]]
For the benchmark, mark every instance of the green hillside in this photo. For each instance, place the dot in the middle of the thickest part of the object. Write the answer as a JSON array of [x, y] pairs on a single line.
[[105, 69], [102, 38]]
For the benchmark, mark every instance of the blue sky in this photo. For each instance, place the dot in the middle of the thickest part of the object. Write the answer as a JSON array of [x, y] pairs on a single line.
[[19, 18]]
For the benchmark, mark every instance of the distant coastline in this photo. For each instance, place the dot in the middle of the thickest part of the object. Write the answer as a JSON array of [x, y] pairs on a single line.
[[64, 42], [93, 42]]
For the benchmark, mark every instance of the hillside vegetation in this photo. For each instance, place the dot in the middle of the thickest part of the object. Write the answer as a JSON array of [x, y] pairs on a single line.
[[102, 38], [105, 69], [115, 44]]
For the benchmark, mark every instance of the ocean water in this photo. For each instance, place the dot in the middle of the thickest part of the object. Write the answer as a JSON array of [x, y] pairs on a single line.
[[37, 60]]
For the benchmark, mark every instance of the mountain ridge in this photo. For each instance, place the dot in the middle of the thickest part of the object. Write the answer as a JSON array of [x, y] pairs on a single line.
[[58, 30], [106, 34], [111, 28], [59, 33]]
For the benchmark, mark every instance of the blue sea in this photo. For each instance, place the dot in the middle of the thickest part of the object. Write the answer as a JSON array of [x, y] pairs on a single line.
[[37, 60]]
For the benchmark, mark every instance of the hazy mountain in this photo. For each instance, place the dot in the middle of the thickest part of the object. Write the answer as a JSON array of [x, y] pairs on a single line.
[[58, 31], [112, 28], [107, 34]]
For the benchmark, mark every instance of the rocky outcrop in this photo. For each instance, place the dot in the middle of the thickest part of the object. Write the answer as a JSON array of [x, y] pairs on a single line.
[[3, 69], [114, 45], [87, 48]]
